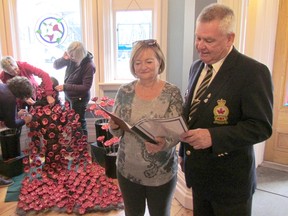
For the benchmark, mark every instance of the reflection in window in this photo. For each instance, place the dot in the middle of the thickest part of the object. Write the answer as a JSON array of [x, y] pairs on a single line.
[[46, 28], [130, 26]]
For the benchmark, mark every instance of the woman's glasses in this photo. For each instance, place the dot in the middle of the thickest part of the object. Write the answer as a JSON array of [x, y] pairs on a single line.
[[149, 42]]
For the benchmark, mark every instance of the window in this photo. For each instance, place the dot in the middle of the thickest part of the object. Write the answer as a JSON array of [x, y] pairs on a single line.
[[47, 32], [130, 26], [129, 21], [106, 27]]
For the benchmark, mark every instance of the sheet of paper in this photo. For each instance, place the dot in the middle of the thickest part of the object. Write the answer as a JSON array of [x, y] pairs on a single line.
[[148, 129], [171, 127]]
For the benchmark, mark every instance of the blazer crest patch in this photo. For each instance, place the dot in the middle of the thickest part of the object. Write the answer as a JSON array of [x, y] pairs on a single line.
[[221, 112]]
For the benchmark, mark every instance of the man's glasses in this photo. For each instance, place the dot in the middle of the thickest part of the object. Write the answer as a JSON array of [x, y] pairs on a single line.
[[149, 42]]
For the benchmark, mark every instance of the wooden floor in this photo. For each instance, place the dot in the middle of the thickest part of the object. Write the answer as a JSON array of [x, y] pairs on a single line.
[[9, 209]]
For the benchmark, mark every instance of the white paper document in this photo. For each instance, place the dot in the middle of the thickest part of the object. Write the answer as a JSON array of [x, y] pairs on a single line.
[[148, 129]]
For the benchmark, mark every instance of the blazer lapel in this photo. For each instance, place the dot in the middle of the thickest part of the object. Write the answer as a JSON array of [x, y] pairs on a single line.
[[221, 78], [193, 78], [223, 75]]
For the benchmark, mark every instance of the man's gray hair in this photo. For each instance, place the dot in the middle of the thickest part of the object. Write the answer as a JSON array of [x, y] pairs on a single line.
[[219, 12]]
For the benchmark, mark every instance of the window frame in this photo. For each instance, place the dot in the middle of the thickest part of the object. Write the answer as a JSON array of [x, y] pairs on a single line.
[[106, 80], [97, 33]]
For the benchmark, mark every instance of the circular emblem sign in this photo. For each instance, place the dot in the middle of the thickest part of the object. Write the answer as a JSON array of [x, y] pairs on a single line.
[[51, 30]]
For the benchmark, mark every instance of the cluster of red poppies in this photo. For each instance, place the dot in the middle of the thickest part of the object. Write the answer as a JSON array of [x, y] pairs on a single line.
[[59, 172]]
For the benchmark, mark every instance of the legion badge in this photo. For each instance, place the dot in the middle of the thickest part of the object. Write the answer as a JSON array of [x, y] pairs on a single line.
[[221, 112]]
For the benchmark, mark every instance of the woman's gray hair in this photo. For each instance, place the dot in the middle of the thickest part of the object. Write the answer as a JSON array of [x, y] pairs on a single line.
[[78, 50], [219, 12], [6, 62]]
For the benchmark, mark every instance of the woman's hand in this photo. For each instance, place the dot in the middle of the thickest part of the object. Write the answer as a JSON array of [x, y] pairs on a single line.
[[154, 148], [50, 100], [113, 125], [22, 112], [66, 56], [30, 101], [27, 118], [59, 88]]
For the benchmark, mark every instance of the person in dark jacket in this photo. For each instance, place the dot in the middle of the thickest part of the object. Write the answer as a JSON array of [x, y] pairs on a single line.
[[78, 78], [231, 115], [16, 88]]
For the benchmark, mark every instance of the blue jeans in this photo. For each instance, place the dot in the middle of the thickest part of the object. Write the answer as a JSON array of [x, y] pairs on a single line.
[[80, 106]]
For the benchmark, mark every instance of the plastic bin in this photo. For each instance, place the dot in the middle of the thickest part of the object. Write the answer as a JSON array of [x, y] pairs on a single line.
[[10, 143]]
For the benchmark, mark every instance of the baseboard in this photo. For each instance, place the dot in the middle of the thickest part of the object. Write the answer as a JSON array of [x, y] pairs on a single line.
[[273, 165], [183, 194]]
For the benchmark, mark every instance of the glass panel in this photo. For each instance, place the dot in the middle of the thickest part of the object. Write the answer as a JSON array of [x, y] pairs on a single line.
[[45, 29], [131, 26]]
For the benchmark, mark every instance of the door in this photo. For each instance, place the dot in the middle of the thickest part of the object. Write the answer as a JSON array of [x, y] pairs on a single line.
[[277, 146]]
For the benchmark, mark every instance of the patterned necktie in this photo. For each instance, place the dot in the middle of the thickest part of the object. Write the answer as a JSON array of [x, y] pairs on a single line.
[[202, 88]]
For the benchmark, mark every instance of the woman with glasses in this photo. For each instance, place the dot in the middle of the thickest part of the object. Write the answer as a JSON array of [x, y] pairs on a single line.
[[147, 173]]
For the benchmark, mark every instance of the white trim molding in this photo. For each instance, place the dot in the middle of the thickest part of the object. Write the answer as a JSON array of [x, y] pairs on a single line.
[[182, 193]]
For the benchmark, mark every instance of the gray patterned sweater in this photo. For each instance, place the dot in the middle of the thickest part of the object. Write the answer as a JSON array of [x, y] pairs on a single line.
[[133, 161]]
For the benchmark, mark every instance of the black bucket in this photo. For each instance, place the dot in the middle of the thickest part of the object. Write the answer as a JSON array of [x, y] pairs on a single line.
[[10, 143], [110, 166], [100, 132], [98, 154]]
